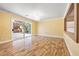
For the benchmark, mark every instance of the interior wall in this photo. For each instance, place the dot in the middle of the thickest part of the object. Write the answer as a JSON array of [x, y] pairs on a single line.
[[73, 47], [5, 25], [51, 27], [34, 28]]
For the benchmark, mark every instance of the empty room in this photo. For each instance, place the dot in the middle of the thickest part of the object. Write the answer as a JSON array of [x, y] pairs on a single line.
[[39, 29]]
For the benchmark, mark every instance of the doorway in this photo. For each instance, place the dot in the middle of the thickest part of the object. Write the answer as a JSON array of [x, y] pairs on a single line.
[[21, 29]]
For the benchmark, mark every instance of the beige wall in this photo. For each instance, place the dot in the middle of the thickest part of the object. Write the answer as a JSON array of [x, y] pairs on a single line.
[[5, 25], [51, 27], [34, 28], [5, 32]]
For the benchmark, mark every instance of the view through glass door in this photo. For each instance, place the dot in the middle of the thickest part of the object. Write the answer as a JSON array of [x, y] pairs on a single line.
[[21, 34], [21, 29]]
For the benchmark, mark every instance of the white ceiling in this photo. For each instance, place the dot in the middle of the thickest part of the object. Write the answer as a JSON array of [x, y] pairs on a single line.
[[36, 11]]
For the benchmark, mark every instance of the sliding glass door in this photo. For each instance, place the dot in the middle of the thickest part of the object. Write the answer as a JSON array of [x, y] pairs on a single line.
[[21, 34], [21, 29]]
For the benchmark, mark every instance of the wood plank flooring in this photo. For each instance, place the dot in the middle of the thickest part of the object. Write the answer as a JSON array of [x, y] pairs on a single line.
[[39, 46]]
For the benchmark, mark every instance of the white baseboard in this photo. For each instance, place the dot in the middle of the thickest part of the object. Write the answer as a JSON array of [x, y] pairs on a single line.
[[51, 35], [2, 42], [36, 34]]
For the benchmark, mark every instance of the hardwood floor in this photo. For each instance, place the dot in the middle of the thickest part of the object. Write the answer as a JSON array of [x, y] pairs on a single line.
[[37, 46]]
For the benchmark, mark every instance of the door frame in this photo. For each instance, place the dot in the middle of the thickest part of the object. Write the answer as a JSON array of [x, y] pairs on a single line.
[[12, 20]]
